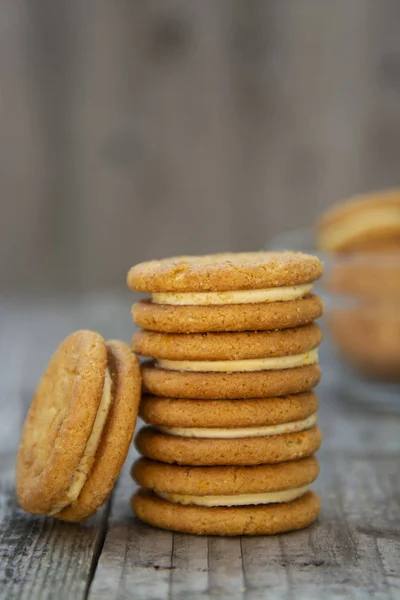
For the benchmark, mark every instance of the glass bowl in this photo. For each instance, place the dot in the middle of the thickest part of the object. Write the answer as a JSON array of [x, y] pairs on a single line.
[[360, 355]]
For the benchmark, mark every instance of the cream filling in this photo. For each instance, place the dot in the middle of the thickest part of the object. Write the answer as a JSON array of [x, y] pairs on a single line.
[[278, 294], [239, 500], [271, 363], [82, 472], [358, 224], [243, 432]]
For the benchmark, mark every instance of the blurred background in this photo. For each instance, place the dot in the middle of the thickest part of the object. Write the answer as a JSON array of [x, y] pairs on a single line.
[[139, 129]]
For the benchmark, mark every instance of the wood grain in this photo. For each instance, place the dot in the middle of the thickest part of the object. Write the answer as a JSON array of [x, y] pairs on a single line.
[[353, 551], [43, 558], [39, 558]]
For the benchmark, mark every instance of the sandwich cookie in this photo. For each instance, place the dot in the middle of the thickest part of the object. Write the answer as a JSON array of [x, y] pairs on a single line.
[[366, 223], [227, 292], [244, 450], [222, 365], [229, 419], [228, 317], [79, 428], [224, 350], [263, 519], [230, 385], [226, 486], [164, 413]]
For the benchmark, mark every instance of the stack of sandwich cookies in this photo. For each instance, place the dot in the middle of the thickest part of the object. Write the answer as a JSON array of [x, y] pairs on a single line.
[[232, 425]]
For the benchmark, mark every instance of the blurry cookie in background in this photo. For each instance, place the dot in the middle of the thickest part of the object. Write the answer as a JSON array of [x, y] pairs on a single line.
[[365, 223], [368, 338], [372, 276], [362, 238]]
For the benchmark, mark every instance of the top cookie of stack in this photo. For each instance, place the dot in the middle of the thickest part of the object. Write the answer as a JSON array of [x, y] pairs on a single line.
[[227, 292]]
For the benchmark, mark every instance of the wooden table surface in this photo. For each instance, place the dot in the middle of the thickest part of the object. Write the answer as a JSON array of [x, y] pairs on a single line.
[[353, 551]]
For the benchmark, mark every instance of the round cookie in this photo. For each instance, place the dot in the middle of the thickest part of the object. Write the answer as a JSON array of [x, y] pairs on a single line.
[[116, 436], [81, 396], [227, 346], [259, 384], [229, 317], [225, 480], [59, 422], [238, 451], [365, 223], [225, 272], [228, 521], [175, 412]]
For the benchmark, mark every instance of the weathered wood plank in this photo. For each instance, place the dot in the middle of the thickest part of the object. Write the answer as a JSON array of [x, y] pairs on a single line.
[[225, 564], [134, 556], [39, 558], [43, 558], [370, 494], [264, 568], [389, 550], [189, 575], [352, 551], [350, 429]]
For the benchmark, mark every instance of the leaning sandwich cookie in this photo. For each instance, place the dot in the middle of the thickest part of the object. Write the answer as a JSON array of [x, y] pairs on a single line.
[[79, 428]]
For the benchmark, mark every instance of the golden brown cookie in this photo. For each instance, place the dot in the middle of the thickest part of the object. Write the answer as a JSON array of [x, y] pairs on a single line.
[[229, 317], [229, 521], [225, 272], [226, 480], [88, 391], [366, 223], [116, 436], [175, 412], [240, 451], [369, 338], [259, 384], [227, 346]]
